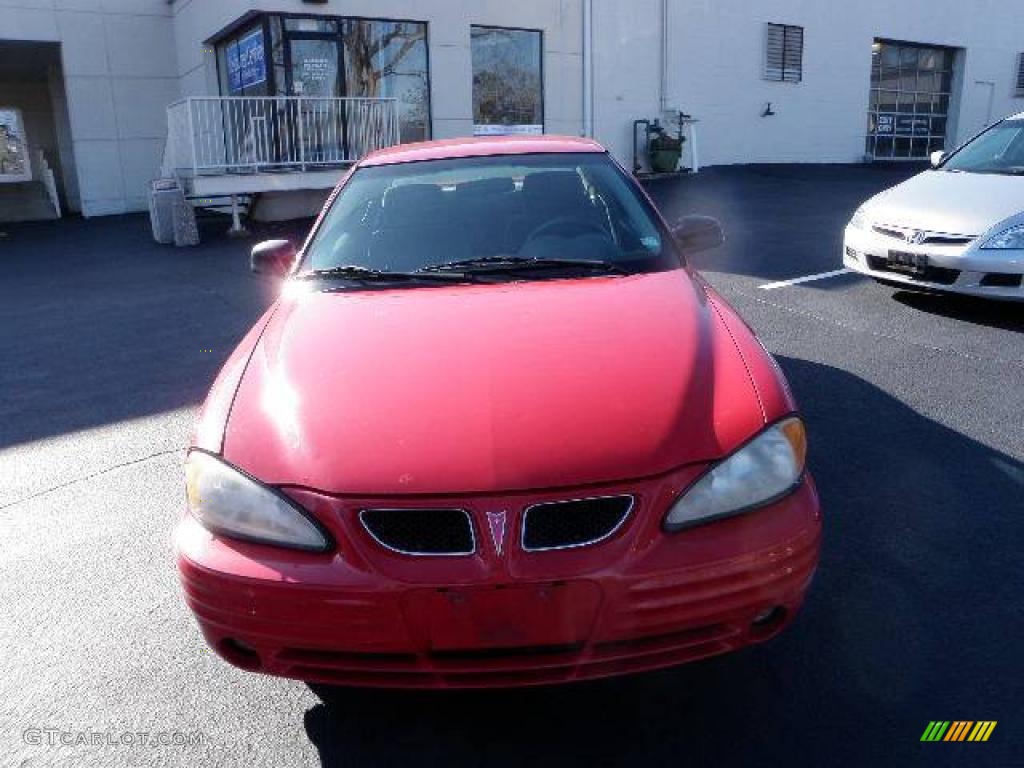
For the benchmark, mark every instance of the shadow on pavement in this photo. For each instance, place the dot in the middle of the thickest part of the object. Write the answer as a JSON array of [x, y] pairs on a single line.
[[1006, 315], [99, 324], [781, 221], [914, 615]]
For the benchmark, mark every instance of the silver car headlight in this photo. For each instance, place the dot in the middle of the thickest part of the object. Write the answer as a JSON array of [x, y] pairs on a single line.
[[765, 469], [227, 501], [1008, 239], [859, 219]]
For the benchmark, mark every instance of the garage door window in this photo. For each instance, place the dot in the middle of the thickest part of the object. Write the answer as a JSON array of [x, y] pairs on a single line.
[[507, 81], [909, 103]]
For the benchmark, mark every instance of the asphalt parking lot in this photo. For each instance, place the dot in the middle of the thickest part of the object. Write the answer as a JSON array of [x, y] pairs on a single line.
[[915, 408]]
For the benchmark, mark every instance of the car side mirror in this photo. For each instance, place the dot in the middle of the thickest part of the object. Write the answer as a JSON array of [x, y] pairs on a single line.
[[937, 157], [698, 233], [273, 257]]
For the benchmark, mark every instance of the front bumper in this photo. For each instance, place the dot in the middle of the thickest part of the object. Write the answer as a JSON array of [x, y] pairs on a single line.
[[964, 269], [640, 600]]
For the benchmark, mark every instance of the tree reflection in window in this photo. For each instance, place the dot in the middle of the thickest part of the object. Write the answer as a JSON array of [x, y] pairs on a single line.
[[507, 80], [389, 59]]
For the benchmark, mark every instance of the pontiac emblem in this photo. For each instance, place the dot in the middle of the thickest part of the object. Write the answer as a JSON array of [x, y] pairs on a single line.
[[496, 523]]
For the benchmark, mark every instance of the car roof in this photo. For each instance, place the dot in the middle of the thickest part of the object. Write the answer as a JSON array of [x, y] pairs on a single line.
[[485, 146]]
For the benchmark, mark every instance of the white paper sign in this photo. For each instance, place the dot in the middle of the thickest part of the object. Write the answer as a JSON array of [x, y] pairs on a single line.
[[508, 130]]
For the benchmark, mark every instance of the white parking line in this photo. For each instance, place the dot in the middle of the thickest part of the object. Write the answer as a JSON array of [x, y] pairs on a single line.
[[804, 279]]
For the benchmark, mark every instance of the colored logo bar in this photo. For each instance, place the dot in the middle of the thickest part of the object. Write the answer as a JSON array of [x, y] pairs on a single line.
[[958, 730]]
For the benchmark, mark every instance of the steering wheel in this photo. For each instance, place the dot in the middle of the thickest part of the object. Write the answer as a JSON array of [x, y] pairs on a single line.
[[564, 223]]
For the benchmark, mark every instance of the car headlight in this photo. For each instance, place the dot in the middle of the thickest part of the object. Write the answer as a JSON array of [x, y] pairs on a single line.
[[227, 501], [765, 469], [859, 219], [1005, 240]]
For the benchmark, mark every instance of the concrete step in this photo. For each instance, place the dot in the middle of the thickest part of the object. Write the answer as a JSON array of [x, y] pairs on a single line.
[[25, 201]]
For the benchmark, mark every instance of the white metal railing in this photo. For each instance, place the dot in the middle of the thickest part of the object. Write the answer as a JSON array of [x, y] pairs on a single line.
[[224, 134]]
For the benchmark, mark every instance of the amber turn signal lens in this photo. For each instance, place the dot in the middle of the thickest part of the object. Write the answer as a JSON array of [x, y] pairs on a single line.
[[796, 434]]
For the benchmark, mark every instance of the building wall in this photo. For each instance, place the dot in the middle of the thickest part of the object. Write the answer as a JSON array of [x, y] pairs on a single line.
[[119, 71], [451, 99], [123, 61], [715, 64], [64, 163]]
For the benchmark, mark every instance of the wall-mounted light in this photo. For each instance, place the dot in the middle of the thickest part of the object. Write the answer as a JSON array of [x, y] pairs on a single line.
[[768, 111]]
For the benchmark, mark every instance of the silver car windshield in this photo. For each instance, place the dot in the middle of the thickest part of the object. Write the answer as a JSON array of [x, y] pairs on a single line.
[[998, 150]]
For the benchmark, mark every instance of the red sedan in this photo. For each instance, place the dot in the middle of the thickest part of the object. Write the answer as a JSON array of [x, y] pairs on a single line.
[[495, 431]]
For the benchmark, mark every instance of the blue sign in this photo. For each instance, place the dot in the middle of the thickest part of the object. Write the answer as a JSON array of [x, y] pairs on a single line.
[[247, 65]]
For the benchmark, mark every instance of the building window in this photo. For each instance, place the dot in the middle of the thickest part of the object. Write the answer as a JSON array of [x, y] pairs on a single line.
[[330, 57], [1020, 74], [389, 59], [508, 92], [909, 102], [784, 53], [243, 63], [14, 161]]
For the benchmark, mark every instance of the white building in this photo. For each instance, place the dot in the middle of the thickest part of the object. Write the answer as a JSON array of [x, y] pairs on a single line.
[[85, 85]]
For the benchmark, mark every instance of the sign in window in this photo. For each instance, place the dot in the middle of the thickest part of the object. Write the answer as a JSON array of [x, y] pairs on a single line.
[[246, 62]]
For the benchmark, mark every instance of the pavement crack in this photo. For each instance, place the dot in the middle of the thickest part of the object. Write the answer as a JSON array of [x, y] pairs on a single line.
[[84, 478]]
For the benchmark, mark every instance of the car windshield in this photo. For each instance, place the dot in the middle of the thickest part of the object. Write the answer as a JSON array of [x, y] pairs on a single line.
[[511, 213], [998, 150]]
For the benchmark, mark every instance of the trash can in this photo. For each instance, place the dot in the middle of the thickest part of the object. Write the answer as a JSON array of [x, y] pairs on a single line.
[[162, 194]]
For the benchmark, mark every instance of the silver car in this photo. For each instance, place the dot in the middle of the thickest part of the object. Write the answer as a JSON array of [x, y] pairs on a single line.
[[957, 227]]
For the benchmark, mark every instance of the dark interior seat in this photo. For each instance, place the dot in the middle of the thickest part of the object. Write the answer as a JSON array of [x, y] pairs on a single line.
[[547, 196], [484, 207], [415, 228]]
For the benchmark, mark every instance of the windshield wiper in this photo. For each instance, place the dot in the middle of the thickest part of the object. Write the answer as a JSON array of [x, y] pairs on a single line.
[[356, 272], [510, 263]]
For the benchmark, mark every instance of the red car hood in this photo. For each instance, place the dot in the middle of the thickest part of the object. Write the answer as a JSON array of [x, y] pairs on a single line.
[[490, 388]]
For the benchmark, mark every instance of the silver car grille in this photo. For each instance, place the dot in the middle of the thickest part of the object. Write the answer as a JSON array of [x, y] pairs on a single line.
[[910, 236]]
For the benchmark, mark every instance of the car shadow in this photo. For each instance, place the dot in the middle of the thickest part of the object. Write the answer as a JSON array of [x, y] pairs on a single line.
[[914, 615], [1005, 315]]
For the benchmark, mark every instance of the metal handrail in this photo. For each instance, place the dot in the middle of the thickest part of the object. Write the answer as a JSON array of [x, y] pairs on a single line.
[[225, 134]]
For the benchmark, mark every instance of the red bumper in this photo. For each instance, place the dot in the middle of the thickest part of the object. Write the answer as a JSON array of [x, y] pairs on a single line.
[[640, 600]]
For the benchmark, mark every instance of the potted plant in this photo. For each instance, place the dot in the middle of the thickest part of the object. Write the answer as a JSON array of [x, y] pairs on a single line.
[[664, 151]]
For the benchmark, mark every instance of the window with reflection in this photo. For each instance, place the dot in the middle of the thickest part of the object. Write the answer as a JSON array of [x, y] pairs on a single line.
[[389, 59], [911, 86], [334, 57], [508, 92]]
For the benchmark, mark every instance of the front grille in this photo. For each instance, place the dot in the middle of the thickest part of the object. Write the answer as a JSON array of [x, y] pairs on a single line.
[[883, 230], [937, 275], [576, 523], [421, 531], [932, 239], [927, 238]]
